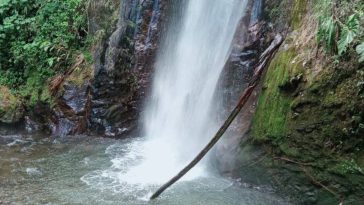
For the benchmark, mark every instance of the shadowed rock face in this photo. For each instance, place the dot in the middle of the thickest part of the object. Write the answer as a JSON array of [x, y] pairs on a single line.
[[107, 97], [123, 64], [128, 34], [76, 97], [250, 41]]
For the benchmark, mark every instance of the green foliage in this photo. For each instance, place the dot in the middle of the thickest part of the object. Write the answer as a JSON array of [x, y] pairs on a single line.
[[333, 34], [298, 11], [360, 51], [39, 37], [349, 31], [326, 33], [270, 120], [347, 167]]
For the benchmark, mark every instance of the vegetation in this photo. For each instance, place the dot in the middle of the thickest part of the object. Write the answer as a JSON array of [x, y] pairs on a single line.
[[38, 39], [270, 119], [309, 119], [10, 106], [341, 27]]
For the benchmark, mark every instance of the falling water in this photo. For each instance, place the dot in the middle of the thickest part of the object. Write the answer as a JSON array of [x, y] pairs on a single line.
[[179, 120], [257, 11], [180, 114]]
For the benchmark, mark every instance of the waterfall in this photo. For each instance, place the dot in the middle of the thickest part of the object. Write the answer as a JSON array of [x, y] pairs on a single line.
[[256, 12], [180, 113]]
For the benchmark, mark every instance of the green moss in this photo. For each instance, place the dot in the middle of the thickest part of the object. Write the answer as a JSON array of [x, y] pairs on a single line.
[[81, 75], [35, 91], [318, 125], [298, 12], [346, 167], [11, 109], [273, 104], [88, 57], [321, 127], [288, 150], [331, 101], [103, 16]]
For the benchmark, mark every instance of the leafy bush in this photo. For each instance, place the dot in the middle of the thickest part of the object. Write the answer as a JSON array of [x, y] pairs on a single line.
[[349, 31], [39, 38], [340, 26], [326, 33]]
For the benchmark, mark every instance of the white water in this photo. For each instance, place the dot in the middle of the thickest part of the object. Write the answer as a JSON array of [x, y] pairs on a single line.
[[180, 114], [41, 170]]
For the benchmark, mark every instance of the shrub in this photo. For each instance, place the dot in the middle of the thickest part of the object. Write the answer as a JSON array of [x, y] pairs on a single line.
[[39, 37], [340, 26]]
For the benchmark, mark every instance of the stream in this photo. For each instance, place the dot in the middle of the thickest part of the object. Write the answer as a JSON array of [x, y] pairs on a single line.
[[91, 170]]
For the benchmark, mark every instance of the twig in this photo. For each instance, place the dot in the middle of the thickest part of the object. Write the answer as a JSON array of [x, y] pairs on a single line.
[[319, 183], [292, 161]]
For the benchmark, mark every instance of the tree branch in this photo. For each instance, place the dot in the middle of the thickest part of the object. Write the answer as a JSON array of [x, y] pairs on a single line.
[[263, 61]]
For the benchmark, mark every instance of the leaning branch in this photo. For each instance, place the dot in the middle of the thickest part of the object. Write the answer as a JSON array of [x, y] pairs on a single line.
[[263, 61]]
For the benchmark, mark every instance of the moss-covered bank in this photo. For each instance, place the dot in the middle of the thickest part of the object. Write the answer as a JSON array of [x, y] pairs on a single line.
[[308, 130]]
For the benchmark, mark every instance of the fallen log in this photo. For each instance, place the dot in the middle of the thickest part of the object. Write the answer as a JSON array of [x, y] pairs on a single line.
[[264, 59]]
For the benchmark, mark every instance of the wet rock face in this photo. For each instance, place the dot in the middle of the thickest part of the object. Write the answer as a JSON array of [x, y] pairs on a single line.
[[72, 111], [123, 64], [107, 96], [76, 97], [250, 41], [309, 117]]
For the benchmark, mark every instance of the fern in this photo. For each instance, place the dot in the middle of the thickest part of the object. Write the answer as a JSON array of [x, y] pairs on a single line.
[[326, 33], [360, 51], [349, 31], [335, 35]]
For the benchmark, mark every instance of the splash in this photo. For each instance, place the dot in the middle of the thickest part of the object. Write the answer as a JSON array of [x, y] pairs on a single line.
[[180, 113], [179, 117]]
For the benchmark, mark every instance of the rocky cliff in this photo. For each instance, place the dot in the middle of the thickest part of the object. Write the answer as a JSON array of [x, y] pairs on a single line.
[[307, 133], [102, 93]]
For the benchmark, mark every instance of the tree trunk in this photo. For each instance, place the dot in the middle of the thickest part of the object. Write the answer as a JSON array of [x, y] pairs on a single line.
[[263, 61]]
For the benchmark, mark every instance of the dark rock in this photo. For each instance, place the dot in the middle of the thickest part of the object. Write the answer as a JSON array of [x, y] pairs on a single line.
[[63, 127], [31, 126], [300, 104], [123, 66], [292, 84], [76, 97]]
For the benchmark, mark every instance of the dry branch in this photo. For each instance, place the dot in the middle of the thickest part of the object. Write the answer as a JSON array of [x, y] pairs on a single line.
[[263, 61], [58, 80]]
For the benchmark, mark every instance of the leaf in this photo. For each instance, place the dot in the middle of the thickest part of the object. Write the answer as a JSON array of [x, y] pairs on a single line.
[[349, 31], [50, 61], [360, 51], [347, 36], [326, 33]]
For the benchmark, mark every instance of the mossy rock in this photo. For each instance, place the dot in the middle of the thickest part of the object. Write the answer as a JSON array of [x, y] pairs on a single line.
[[281, 79], [11, 108], [298, 12], [80, 76], [291, 84]]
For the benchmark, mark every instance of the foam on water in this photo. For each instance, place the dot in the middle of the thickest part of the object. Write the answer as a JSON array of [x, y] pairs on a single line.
[[49, 174], [180, 113]]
